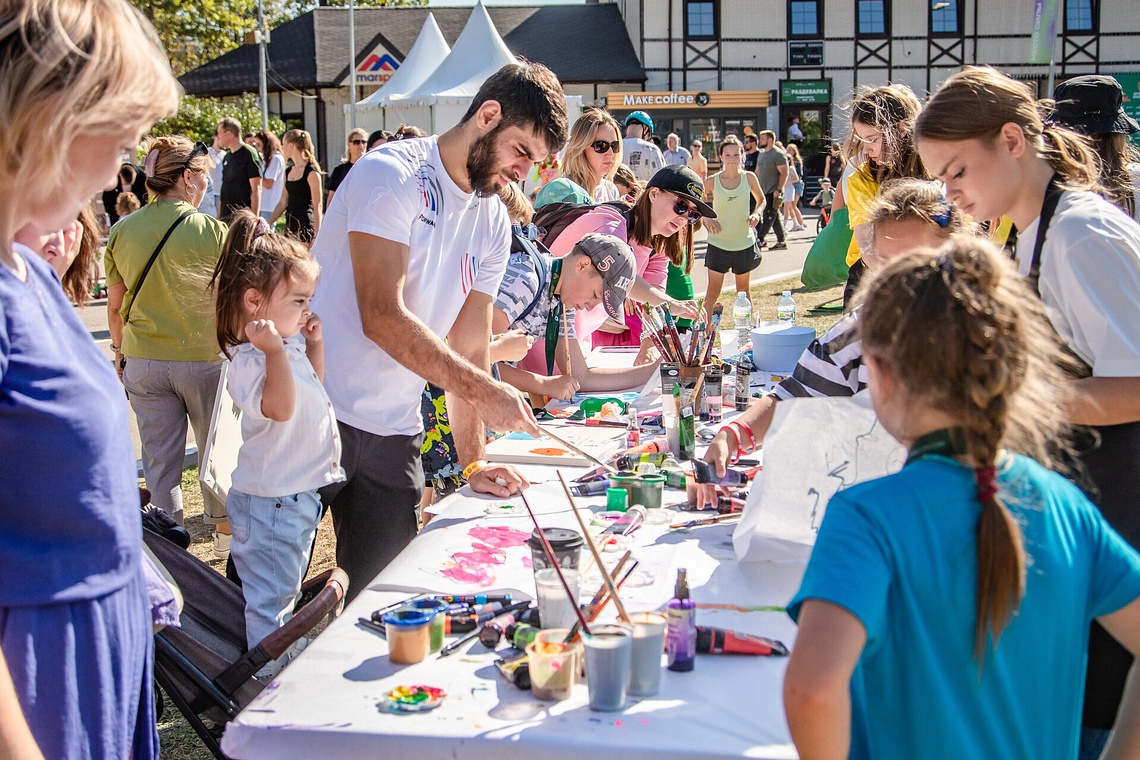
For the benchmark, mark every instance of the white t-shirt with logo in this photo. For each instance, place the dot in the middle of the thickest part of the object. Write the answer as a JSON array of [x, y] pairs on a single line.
[[642, 157], [457, 243], [272, 195]]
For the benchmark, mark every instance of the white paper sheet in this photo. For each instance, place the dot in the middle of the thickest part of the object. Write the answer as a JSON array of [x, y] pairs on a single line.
[[814, 449]]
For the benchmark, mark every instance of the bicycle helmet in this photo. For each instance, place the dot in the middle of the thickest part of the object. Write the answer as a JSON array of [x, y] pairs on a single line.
[[641, 117]]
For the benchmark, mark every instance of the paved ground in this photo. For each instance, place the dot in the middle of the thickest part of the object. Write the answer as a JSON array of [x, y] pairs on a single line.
[[777, 265]]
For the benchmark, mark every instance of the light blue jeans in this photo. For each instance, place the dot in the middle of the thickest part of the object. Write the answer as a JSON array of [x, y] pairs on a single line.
[[272, 539]]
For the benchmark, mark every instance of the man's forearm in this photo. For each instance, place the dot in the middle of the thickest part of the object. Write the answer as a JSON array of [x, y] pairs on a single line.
[[410, 342]]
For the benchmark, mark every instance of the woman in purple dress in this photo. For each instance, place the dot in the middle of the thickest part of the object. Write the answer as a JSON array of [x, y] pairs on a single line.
[[75, 635]]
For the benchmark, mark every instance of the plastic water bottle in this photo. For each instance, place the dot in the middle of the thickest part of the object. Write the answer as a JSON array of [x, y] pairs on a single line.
[[786, 308], [742, 316]]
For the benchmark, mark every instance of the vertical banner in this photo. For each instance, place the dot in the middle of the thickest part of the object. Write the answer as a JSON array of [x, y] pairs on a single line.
[[1044, 31]]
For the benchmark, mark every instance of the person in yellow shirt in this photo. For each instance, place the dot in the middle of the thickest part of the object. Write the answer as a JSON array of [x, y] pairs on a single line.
[[882, 128]]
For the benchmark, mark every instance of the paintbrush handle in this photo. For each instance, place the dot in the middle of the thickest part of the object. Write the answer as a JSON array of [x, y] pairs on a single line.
[[609, 581]]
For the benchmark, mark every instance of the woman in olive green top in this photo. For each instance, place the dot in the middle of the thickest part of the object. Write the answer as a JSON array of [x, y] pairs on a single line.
[[162, 331]]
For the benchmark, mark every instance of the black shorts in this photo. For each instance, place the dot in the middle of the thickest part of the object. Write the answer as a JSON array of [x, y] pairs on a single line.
[[737, 262]]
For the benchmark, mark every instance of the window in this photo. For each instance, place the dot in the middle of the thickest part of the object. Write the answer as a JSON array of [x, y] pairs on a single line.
[[1080, 16], [700, 19], [944, 18], [804, 19], [872, 18]]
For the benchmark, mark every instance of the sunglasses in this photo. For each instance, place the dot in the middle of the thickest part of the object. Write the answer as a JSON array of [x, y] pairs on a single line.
[[601, 146], [358, 142], [682, 208], [199, 150]]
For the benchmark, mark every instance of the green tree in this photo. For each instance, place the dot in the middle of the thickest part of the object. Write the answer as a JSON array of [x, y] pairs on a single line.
[[194, 32], [197, 118]]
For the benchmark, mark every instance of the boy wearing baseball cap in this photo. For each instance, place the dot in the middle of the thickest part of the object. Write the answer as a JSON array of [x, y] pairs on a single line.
[[539, 295]]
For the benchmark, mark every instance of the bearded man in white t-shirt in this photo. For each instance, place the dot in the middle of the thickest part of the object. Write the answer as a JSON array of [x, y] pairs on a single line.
[[412, 250]]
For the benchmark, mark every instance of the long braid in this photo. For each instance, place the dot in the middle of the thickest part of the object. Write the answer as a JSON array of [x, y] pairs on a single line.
[[993, 362]]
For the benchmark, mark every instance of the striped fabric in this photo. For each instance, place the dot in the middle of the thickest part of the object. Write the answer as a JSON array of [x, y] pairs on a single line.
[[831, 366]]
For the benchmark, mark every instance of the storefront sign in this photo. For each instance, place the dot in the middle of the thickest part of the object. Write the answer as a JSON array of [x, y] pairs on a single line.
[[1130, 83], [720, 99], [376, 68], [805, 91], [805, 54]]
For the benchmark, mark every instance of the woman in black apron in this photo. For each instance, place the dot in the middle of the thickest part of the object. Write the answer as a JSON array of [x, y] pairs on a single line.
[[983, 135]]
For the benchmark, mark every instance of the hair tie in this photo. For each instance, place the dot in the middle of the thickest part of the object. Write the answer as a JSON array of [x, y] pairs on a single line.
[[148, 165], [942, 218], [985, 478], [262, 228]]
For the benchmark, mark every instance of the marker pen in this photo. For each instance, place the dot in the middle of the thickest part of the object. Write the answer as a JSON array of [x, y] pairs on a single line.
[[477, 598], [720, 641]]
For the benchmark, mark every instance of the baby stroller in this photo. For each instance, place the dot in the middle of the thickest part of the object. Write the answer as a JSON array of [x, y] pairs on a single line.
[[204, 665]]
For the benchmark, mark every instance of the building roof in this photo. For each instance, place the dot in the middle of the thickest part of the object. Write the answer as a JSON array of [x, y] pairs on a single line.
[[580, 43]]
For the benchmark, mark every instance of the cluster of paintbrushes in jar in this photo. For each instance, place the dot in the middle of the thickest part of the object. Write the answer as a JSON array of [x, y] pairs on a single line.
[[661, 326]]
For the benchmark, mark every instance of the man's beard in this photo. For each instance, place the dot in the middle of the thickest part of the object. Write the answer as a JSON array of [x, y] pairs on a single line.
[[481, 169]]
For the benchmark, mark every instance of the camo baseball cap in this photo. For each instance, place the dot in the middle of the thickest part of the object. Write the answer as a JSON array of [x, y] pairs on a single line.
[[613, 258]]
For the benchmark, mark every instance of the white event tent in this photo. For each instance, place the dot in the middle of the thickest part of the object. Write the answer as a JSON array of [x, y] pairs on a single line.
[[439, 100]]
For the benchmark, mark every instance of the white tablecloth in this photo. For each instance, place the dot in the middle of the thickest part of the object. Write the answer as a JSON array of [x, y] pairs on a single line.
[[327, 704]]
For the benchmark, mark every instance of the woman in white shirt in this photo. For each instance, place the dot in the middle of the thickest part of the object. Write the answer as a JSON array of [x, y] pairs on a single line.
[[273, 170]]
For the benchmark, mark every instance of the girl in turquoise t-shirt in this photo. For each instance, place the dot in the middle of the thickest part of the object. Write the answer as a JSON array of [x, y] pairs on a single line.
[[945, 609]]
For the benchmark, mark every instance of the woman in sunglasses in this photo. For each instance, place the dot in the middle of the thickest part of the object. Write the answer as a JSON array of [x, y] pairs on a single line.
[[593, 154], [659, 229], [160, 316], [354, 148]]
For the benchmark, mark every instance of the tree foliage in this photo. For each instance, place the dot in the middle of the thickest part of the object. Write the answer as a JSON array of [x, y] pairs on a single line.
[[197, 118], [194, 32]]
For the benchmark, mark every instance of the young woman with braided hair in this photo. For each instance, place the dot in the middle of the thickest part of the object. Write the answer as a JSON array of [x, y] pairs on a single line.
[[983, 135], [945, 609]]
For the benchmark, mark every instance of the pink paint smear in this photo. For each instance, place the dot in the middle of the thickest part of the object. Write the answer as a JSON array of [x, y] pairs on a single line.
[[488, 545]]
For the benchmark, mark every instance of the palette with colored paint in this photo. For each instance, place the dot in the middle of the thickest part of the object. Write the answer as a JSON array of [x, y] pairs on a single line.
[[414, 699], [505, 510]]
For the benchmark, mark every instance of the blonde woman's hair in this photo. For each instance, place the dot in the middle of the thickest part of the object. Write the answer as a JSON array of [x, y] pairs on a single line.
[[300, 140], [172, 158], [892, 110], [978, 101], [903, 200], [519, 209], [964, 333], [253, 257], [70, 68], [358, 132], [575, 164]]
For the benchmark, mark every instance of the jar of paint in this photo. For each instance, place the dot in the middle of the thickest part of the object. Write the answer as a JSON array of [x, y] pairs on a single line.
[[409, 635], [566, 543], [647, 490], [437, 608]]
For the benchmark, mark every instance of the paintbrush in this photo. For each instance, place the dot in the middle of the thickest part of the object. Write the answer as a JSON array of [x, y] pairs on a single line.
[[600, 600], [552, 558], [654, 332], [566, 341], [601, 591], [576, 450], [594, 551], [707, 520]]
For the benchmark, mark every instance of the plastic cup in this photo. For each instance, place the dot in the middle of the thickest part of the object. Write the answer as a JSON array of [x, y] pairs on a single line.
[[729, 342], [437, 608], [555, 609], [608, 654], [553, 665], [409, 638], [645, 655]]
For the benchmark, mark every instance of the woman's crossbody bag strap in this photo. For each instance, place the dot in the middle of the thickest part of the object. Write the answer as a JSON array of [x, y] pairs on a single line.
[[146, 270]]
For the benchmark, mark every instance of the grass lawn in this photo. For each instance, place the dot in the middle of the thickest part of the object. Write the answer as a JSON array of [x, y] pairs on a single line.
[[179, 742]]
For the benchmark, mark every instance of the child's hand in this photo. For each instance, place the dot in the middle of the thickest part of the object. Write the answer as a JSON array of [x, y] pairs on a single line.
[[560, 386], [313, 332], [263, 335], [511, 346]]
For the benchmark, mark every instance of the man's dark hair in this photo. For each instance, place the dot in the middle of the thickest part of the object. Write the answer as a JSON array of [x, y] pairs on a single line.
[[531, 98]]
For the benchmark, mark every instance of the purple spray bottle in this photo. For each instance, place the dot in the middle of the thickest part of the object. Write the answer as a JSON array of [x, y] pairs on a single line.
[[681, 636]]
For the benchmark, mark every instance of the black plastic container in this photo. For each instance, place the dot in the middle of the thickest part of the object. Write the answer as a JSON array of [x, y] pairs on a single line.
[[566, 543]]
